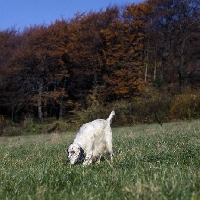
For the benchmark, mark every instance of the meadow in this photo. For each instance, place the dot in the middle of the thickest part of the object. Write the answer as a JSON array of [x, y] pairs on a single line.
[[151, 162]]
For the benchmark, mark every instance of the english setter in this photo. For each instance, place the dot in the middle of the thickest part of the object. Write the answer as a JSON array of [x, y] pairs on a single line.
[[92, 140]]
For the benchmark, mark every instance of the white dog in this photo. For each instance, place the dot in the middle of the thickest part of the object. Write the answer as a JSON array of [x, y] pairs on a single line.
[[92, 140]]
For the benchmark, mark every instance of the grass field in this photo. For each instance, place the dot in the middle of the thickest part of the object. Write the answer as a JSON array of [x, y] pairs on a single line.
[[151, 162]]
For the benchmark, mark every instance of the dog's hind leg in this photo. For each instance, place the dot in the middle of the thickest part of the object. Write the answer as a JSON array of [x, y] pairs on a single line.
[[109, 142]]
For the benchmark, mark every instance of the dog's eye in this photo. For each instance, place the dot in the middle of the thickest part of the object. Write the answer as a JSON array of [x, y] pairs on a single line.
[[72, 152]]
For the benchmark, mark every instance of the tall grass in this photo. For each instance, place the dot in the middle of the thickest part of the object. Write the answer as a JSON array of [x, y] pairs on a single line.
[[151, 162]]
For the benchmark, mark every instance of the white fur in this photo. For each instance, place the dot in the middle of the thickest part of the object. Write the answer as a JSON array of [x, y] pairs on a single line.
[[92, 140]]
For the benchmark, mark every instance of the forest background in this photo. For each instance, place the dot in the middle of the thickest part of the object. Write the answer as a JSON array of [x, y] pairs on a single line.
[[142, 60]]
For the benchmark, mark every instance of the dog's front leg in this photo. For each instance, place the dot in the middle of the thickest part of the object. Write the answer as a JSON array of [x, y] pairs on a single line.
[[99, 159], [88, 159]]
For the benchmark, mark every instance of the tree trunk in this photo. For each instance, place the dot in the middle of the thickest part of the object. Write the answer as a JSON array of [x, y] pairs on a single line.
[[12, 113], [40, 103], [181, 66], [146, 61], [155, 64], [61, 109], [146, 69]]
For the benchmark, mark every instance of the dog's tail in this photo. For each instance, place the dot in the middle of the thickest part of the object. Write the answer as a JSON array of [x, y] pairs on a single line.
[[111, 116]]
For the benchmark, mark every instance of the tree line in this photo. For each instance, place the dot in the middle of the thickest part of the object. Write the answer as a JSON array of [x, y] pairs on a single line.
[[99, 57]]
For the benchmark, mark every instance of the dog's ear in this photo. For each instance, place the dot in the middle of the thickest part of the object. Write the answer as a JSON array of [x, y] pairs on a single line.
[[82, 154]]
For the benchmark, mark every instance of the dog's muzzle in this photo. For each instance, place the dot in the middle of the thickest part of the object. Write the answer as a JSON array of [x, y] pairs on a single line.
[[72, 161]]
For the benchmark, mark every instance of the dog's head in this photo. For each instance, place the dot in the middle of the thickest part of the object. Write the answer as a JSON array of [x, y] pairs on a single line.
[[75, 154]]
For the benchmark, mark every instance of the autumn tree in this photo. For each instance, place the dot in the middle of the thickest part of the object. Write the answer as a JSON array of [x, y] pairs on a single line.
[[123, 53], [185, 29], [40, 66], [56, 91], [82, 54], [10, 97], [175, 28], [86, 53]]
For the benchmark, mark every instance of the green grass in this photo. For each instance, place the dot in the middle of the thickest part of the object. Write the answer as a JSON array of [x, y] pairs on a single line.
[[151, 162]]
